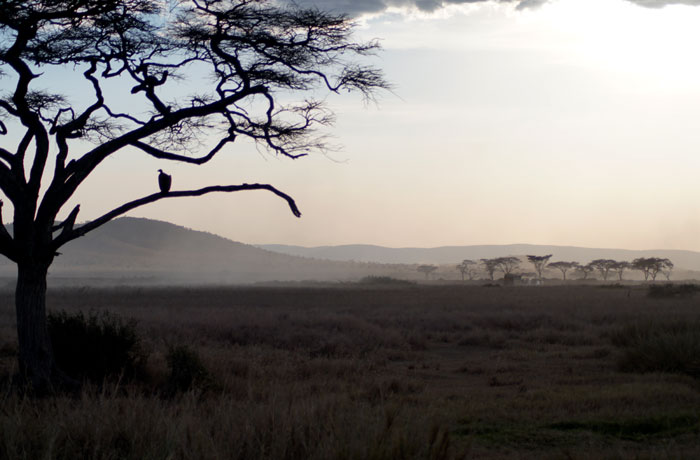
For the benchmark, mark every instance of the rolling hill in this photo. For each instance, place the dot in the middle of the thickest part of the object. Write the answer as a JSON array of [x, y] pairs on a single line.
[[138, 251], [454, 254], [143, 251]]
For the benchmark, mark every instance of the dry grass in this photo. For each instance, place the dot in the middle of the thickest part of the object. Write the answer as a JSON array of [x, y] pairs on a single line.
[[375, 372]]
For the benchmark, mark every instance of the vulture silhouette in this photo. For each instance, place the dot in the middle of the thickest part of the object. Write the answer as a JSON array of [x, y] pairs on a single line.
[[164, 181]]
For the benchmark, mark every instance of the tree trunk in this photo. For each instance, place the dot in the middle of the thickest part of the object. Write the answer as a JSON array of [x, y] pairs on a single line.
[[36, 363]]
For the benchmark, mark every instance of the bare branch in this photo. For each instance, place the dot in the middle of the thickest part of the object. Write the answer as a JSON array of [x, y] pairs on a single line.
[[157, 153], [83, 229], [67, 225], [7, 157]]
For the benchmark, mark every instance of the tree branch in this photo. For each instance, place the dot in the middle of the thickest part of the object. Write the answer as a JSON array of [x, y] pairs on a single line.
[[7, 157], [67, 236], [77, 171], [163, 155]]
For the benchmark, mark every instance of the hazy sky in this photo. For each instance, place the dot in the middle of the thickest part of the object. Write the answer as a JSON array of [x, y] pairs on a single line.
[[570, 122]]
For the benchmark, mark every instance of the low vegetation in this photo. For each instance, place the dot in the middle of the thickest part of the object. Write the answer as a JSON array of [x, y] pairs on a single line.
[[366, 371], [96, 346], [671, 290], [385, 281]]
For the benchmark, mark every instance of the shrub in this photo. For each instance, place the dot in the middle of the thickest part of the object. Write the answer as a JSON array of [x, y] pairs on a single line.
[[95, 347], [670, 290], [186, 369], [660, 347], [385, 280]]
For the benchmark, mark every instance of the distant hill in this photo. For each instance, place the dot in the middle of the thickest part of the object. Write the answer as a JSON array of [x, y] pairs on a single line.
[[143, 251], [454, 254]]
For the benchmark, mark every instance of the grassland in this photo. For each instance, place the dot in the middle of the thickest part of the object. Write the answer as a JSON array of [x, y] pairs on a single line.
[[379, 372]]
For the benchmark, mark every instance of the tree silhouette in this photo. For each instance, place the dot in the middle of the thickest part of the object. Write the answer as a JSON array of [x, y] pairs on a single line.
[[240, 55], [651, 266], [507, 264], [585, 270], [603, 266], [540, 263], [465, 268], [427, 270], [490, 266], [667, 270], [620, 268], [563, 267]]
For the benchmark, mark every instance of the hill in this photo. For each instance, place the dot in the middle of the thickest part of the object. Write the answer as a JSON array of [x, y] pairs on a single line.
[[143, 251], [454, 254]]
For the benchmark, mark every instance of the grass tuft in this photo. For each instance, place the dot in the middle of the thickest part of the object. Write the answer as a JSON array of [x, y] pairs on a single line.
[[670, 290], [660, 347], [186, 369]]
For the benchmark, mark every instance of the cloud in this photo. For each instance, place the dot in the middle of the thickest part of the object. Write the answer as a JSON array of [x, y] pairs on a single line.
[[358, 7], [662, 3]]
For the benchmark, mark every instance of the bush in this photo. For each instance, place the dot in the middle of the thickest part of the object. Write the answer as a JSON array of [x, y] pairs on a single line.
[[385, 280], [186, 369], [670, 290], [660, 347], [96, 347]]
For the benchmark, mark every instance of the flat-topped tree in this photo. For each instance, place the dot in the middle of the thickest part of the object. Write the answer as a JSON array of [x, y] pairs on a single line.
[[540, 263], [620, 267], [465, 268], [564, 267], [603, 266], [427, 270], [585, 270], [240, 56], [651, 266], [490, 266], [507, 264]]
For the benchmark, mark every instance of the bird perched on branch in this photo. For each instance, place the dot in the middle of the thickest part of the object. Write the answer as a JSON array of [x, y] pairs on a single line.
[[164, 181]]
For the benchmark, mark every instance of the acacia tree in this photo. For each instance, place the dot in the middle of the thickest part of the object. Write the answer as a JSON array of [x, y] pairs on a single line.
[[563, 267], [465, 268], [427, 270], [240, 55], [651, 266], [507, 264], [540, 263], [490, 266], [620, 268], [585, 270], [667, 269], [603, 266]]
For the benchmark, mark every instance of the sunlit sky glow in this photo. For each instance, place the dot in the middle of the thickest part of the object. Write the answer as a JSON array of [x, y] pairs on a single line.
[[572, 123]]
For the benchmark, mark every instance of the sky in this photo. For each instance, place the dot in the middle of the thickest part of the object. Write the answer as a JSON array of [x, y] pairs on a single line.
[[565, 122]]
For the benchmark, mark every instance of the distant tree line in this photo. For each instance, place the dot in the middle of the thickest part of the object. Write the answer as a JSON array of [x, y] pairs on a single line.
[[650, 267]]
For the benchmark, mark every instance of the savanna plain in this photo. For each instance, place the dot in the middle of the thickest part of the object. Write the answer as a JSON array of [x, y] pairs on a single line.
[[372, 371]]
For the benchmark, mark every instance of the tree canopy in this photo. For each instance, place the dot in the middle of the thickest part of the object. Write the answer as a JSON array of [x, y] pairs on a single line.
[[179, 84], [539, 262], [564, 267]]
